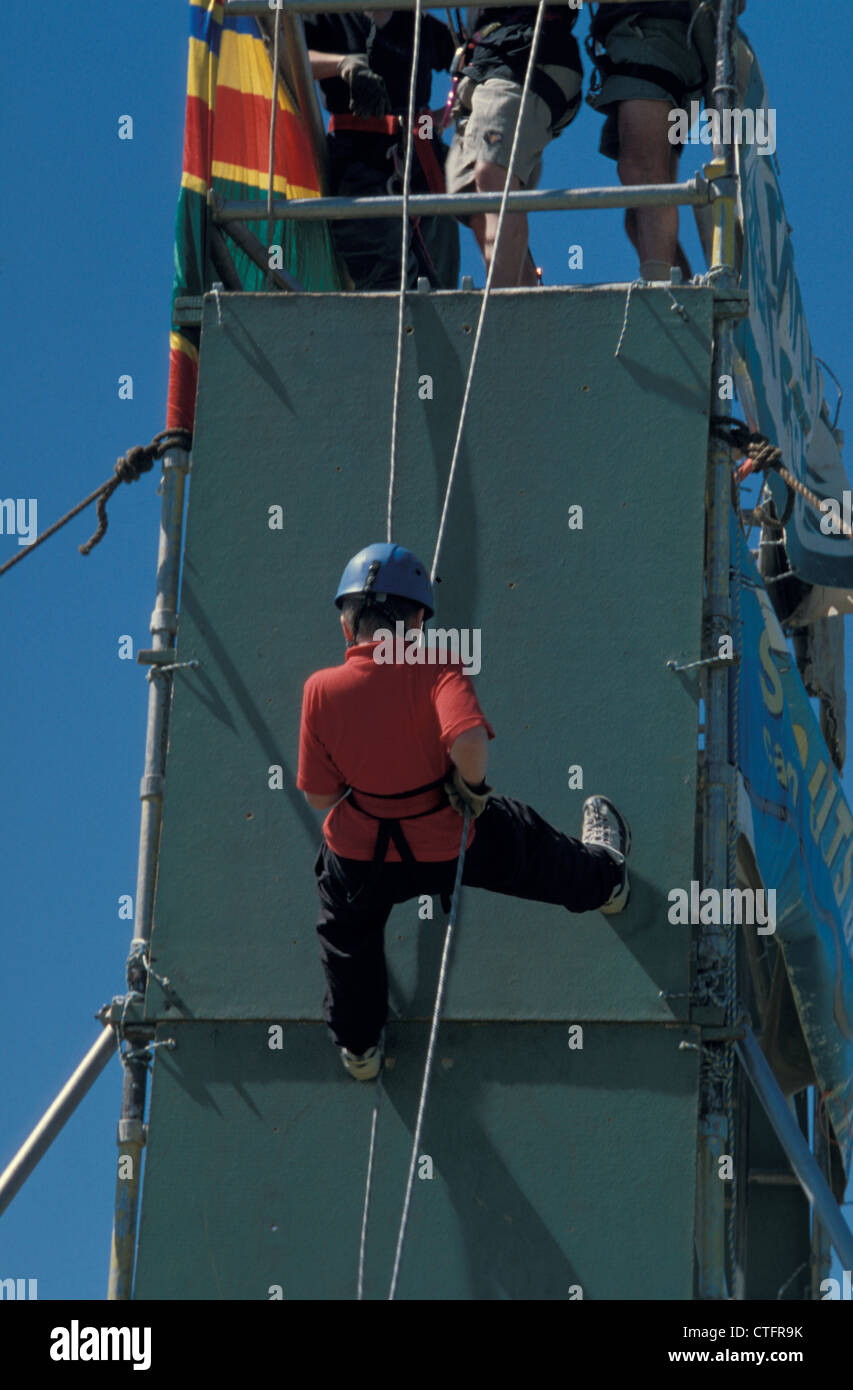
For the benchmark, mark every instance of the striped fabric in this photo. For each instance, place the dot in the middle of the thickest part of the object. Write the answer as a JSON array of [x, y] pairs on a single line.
[[226, 148]]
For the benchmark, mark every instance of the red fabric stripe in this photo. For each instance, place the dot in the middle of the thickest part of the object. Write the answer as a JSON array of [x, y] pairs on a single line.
[[242, 133], [183, 379], [198, 138]]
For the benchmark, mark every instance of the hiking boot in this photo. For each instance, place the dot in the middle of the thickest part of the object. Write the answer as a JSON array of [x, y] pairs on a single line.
[[364, 1066], [603, 825]]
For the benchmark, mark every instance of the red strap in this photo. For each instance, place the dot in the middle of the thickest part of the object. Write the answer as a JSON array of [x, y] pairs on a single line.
[[392, 125], [433, 172]]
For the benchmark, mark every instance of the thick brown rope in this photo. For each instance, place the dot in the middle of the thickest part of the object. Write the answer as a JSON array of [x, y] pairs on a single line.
[[761, 456], [138, 460]]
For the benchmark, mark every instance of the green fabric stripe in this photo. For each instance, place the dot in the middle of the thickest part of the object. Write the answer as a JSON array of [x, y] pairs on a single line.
[[308, 254]]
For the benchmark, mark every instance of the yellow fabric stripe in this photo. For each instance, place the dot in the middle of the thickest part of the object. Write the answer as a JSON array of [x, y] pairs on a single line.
[[194, 184], [255, 179], [201, 73], [244, 64], [180, 344]]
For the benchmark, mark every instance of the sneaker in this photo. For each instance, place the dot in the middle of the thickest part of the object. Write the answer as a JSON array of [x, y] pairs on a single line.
[[603, 825], [364, 1066]]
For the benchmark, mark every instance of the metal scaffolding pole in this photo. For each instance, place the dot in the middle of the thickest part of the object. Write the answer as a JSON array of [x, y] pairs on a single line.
[[306, 94], [793, 1141], [696, 191], [164, 626], [266, 7], [821, 1245], [716, 944], [75, 1088]]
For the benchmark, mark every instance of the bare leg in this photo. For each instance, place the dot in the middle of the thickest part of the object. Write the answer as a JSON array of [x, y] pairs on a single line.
[[647, 156], [513, 265], [680, 254]]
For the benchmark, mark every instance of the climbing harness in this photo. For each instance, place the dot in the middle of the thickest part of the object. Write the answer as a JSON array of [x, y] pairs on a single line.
[[459, 59], [503, 50], [644, 72], [604, 66], [400, 573], [395, 126], [434, 177], [390, 831]]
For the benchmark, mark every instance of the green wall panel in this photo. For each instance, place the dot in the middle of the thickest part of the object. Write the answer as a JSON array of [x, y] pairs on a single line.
[[577, 627], [553, 1167], [778, 1230]]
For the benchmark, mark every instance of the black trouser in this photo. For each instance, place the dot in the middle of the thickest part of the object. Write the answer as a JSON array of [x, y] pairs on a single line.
[[370, 246], [514, 851]]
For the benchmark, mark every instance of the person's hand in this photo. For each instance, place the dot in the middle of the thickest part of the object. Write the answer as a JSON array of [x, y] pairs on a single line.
[[368, 93], [460, 795]]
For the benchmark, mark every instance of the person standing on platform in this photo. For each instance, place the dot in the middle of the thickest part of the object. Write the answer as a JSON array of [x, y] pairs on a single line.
[[651, 57], [487, 107], [363, 63]]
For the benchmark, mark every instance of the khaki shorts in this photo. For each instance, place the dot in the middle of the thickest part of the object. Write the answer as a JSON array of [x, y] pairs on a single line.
[[487, 133], [653, 43]]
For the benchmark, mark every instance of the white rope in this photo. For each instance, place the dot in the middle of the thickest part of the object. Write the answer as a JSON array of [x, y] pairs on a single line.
[[633, 285], [436, 1014], [404, 259], [454, 906], [540, 13], [367, 1186]]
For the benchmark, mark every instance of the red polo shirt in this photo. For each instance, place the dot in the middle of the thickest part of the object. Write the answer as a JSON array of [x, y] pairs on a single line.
[[385, 728]]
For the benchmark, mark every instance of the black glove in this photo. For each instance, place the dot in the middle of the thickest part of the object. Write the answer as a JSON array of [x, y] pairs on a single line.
[[368, 93], [460, 795]]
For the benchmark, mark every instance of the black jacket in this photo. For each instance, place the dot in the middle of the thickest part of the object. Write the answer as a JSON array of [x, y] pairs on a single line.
[[389, 52], [504, 52]]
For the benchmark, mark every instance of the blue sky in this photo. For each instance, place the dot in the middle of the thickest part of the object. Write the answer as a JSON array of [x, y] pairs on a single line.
[[87, 237]]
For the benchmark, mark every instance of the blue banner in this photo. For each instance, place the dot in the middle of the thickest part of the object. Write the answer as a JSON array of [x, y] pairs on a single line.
[[801, 831], [778, 381]]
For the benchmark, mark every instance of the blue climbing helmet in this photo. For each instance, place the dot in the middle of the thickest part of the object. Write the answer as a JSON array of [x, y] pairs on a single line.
[[385, 570]]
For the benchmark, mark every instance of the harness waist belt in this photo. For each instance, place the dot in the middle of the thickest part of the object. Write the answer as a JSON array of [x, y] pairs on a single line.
[[552, 94], [645, 72], [393, 126], [390, 831], [401, 796]]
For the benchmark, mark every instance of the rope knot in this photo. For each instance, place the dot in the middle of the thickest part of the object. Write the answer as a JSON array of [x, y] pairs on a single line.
[[129, 469], [764, 455], [138, 460]]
